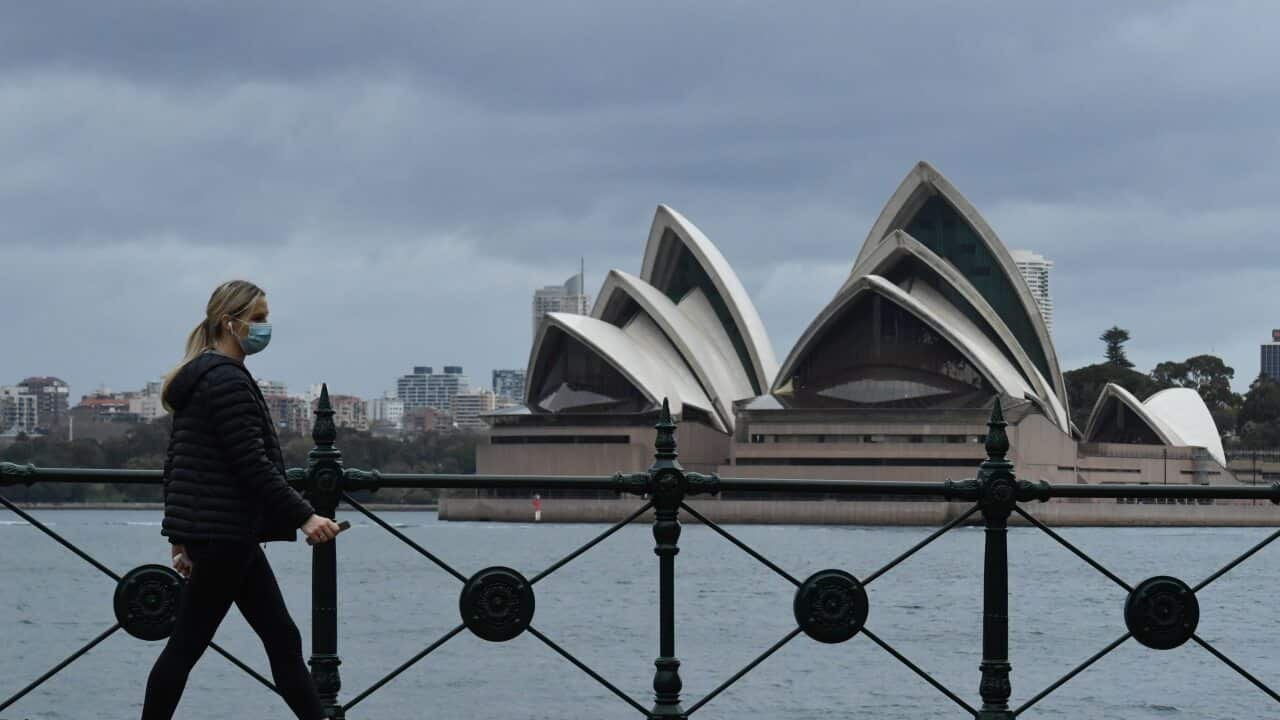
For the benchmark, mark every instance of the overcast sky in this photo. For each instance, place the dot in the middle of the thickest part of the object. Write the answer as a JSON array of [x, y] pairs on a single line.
[[400, 177]]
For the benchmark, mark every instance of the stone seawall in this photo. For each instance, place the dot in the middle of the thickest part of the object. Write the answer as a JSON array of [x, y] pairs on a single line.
[[843, 512]]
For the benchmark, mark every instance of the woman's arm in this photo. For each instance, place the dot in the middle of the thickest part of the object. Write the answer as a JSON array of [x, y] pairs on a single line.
[[238, 422]]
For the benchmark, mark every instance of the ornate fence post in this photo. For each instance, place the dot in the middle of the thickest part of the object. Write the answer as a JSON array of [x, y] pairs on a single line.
[[998, 493], [667, 483], [324, 485]]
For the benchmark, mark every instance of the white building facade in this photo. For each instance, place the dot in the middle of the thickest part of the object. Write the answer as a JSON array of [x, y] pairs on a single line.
[[1035, 270]]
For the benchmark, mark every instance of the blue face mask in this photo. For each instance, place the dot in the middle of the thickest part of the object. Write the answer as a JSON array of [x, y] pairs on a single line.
[[257, 338]]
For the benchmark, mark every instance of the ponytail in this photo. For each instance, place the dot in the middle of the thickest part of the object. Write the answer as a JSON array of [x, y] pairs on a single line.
[[233, 298]]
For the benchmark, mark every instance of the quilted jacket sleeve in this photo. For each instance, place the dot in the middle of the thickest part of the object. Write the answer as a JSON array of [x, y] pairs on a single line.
[[238, 422], [168, 467]]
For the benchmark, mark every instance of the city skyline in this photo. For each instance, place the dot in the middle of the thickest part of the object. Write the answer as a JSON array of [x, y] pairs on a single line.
[[1102, 136]]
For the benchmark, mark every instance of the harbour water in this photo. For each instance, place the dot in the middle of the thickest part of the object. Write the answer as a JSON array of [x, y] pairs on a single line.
[[603, 608]]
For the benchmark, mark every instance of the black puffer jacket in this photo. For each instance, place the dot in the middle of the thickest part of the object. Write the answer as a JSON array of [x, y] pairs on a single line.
[[224, 472]]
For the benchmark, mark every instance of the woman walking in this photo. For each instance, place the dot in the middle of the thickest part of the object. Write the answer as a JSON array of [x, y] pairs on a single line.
[[225, 492]]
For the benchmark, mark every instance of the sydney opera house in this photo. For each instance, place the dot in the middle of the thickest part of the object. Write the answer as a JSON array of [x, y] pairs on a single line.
[[893, 380]]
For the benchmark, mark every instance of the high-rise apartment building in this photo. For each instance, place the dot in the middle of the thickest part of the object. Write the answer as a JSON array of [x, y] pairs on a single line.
[[427, 388], [19, 410], [1035, 270], [1271, 357], [348, 412], [52, 395], [508, 384], [387, 409], [469, 406], [571, 297]]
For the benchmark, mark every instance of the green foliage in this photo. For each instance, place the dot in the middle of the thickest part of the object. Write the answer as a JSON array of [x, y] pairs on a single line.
[[145, 445], [1259, 418], [1115, 338], [1206, 374], [1085, 384]]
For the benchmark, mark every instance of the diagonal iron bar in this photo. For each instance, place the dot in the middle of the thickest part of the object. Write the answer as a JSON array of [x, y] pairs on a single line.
[[1214, 651], [926, 676], [1078, 552], [403, 538], [599, 538], [252, 673], [920, 545], [1226, 568], [404, 666], [741, 545], [1079, 669], [738, 675], [63, 541], [70, 659], [596, 676]]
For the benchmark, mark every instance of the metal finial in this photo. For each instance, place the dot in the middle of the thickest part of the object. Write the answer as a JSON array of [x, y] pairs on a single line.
[[997, 438], [666, 427], [324, 432]]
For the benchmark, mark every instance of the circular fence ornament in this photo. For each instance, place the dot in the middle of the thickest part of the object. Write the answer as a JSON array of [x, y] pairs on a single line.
[[831, 606], [1162, 612], [497, 604], [146, 601]]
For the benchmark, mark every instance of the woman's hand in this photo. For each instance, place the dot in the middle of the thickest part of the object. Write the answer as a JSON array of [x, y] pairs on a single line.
[[320, 529], [181, 561]]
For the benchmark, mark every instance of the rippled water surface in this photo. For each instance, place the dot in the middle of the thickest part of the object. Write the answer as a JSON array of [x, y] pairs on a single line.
[[603, 607]]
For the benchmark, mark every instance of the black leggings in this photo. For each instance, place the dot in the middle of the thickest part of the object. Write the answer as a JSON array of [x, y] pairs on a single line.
[[224, 572]]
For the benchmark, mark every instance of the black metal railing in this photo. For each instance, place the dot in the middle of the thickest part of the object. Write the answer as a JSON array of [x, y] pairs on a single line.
[[830, 606]]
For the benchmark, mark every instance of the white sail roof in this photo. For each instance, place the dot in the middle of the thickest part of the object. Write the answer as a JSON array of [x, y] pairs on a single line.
[[640, 352], [1184, 411], [898, 245], [929, 306], [924, 183], [709, 355], [673, 241]]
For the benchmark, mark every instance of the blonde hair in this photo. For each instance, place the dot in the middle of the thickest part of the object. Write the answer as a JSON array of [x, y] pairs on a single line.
[[234, 298]]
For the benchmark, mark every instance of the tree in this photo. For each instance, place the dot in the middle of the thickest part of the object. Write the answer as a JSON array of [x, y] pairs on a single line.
[[1115, 338], [1206, 374], [1084, 386], [1258, 422]]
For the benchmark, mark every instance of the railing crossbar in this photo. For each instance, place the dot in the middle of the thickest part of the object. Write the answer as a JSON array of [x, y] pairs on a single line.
[[741, 545], [592, 543], [594, 675], [57, 668], [404, 666], [252, 673], [738, 675], [921, 545], [1076, 671], [1229, 663], [404, 538], [1077, 551], [916, 669], [61, 540], [1227, 568]]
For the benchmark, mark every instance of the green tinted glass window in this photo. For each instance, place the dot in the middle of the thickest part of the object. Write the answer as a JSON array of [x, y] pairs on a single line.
[[941, 228]]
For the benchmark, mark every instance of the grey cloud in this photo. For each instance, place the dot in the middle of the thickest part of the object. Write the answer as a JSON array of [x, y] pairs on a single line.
[[368, 141]]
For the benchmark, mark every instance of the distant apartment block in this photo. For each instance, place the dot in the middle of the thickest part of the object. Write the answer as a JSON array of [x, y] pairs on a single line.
[[424, 419], [1035, 270], [427, 388], [272, 388], [52, 396], [469, 406], [348, 412], [508, 385], [569, 297], [1271, 357], [387, 410], [19, 410]]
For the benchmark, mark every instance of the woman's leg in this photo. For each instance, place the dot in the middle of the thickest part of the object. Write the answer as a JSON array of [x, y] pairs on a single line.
[[206, 597], [263, 607]]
